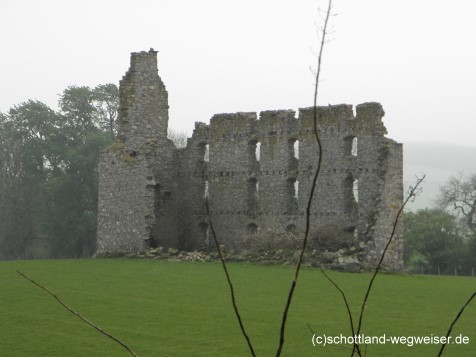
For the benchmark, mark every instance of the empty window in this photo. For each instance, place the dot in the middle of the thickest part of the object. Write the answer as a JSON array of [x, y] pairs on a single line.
[[252, 228], [291, 228], [255, 150], [293, 188], [296, 149], [253, 188], [355, 190], [292, 194], [157, 198], [205, 194], [206, 155], [351, 146], [350, 194], [354, 150], [205, 233], [203, 152]]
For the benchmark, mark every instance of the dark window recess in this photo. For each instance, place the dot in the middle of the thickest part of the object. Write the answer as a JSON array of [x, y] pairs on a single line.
[[350, 194], [293, 154], [206, 155], [254, 151], [252, 228], [203, 154], [292, 194], [351, 146], [291, 228], [252, 192]]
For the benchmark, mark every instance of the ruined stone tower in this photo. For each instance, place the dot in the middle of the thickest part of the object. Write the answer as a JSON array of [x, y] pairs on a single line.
[[257, 173]]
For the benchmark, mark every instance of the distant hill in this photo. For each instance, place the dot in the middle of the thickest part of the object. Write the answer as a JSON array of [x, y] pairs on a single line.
[[438, 161]]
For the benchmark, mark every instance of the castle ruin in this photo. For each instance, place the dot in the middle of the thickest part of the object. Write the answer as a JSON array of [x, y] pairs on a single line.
[[255, 171]]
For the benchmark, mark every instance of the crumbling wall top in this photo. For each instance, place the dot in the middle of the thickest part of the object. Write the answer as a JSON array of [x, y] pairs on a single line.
[[143, 109]]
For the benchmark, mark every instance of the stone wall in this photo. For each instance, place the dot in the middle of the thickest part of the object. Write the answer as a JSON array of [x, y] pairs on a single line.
[[257, 173]]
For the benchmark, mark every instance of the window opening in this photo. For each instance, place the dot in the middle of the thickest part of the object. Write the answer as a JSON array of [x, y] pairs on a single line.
[[291, 228], [351, 194], [253, 187], [206, 156], [252, 228], [355, 190], [351, 145], [292, 194], [255, 150], [205, 233], [296, 149], [354, 148]]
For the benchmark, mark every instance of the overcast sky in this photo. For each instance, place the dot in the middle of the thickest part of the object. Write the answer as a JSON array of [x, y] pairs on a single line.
[[416, 57]]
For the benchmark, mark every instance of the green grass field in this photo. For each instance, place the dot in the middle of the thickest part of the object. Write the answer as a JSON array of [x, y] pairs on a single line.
[[183, 309]]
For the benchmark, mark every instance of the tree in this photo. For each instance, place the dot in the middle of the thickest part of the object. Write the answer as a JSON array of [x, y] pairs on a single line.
[[24, 166], [459, 194], [106, 102], [48, 171], [76, 105], [88, 108], [70, 217], [15, 218], [179, 138], [435, 241]]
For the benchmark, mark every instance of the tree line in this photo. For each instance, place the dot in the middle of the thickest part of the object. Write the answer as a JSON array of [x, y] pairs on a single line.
[[48, 173], [442, 240]]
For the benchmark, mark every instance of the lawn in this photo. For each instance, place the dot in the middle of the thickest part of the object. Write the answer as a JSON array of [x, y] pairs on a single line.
[[183, 309]]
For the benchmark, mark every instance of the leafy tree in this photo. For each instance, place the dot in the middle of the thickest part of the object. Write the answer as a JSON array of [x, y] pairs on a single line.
[[48, 171], [459, 194], [106, 102], [24, 164], [434, 240], [70, 216], [70, 219]]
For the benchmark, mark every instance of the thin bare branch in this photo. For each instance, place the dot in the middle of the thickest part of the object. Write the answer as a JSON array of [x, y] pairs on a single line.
[[313, 187], [351, 320], [411, 194], [310, 328], [115, 339], [454, 322], [230, 284]]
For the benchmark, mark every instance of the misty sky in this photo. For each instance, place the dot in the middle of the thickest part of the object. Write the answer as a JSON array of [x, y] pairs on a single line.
[[417, 58]]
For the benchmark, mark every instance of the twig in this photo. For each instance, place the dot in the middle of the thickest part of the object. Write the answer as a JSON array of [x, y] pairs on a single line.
[[79, 315], [410, 195], [351, 320], [454, 322], [230, 284], [313, 187]]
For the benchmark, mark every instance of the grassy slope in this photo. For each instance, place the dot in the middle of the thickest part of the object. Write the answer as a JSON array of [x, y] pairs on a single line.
[[183, 309]]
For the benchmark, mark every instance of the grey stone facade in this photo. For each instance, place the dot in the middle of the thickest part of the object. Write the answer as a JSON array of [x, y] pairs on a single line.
[[257, 172]]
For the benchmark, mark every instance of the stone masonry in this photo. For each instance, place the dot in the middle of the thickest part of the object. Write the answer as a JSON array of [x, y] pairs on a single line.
[[256, 171]]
